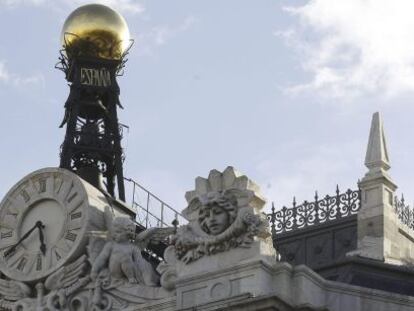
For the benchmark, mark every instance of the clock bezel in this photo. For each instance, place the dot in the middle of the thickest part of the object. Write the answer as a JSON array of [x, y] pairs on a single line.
[[35, 197]]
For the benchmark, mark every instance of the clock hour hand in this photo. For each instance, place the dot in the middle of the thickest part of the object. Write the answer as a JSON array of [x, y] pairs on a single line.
[[24, 237], [42, 238]]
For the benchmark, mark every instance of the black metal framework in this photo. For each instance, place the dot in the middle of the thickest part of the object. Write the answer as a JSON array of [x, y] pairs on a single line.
[[92, 143], [150, 209], [321, 210], [404, 212]]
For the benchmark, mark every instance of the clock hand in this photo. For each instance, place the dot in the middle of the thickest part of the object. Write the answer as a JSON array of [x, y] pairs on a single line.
[[24, 237], [42, 238]]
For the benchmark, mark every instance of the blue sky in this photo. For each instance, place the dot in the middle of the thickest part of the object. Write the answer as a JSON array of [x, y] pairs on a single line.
[[282, 90]]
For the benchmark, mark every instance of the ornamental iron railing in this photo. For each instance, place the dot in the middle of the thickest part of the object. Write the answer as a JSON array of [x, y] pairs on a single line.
[[321, 210], [151, 211], [404, 212]]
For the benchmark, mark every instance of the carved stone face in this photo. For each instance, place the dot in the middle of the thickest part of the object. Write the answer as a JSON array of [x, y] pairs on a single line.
[[214, 219], [119, 234], [122, 229]]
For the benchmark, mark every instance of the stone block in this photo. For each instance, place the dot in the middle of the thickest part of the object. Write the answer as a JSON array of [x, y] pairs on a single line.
[[253, 277], [260, 249]]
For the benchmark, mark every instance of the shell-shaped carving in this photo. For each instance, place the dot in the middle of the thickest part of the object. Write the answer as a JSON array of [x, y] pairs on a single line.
[[222, 182]]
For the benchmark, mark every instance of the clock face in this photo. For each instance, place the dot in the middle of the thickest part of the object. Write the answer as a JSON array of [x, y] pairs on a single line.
[[55, 198]]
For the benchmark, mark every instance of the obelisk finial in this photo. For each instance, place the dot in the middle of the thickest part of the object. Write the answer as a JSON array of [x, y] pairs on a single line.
[[377, 158]]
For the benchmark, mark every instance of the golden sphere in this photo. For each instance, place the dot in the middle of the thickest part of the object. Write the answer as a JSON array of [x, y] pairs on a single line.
[[95, 30]]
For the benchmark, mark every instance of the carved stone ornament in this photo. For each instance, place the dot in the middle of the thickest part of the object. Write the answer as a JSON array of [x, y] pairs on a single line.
[[63, 246], [223, 213]]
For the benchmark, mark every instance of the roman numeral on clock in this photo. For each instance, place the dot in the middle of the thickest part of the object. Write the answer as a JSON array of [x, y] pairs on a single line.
[[75, 215], [39, 262], [71, 197], [5, 235], [70, 236], [42, 185], [58, 257], [25, 195], [22, 263], [57, 185]]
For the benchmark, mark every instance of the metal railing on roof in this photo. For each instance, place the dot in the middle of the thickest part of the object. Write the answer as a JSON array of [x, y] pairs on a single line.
[[404, 212], [151, 210], [310, 213]]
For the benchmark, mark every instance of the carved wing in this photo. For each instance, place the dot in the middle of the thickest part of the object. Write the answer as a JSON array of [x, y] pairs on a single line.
[[108, 216], [96, 243], [13, 290], [153, 235], [67, 275]]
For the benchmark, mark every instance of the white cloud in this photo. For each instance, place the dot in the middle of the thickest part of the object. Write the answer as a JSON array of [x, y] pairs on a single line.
[[354, 47], [160, 35], [17, 80], [125, 6], [4, 74]]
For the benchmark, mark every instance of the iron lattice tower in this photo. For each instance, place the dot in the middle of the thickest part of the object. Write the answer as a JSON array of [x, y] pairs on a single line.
[[92, 144]]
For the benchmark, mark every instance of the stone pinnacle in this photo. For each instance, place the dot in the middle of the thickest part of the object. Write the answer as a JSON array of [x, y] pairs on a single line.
[[377, 158]]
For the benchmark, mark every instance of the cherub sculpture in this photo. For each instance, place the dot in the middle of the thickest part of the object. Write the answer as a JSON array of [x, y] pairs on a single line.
[[121, 255]]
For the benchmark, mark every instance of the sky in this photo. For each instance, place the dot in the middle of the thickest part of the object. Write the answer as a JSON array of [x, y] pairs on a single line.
[[282, 90]]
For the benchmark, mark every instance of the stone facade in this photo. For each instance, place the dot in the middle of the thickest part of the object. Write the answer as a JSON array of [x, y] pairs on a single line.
[[222, 259], [381, 236]]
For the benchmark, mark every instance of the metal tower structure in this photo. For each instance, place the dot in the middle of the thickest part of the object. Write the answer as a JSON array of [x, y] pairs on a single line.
[[95, 42], [92, 144]]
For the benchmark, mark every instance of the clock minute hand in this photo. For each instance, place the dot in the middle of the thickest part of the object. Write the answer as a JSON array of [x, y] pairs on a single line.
[[24, 237]]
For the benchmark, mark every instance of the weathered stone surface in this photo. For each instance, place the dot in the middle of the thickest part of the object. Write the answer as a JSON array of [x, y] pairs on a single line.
[[224, 213], [380, 234], [244, 275], [66, 214], [258, 285], [377, 153]]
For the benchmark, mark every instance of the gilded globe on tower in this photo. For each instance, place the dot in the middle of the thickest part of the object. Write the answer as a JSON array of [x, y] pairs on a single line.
[[95, 30]]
